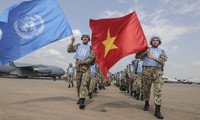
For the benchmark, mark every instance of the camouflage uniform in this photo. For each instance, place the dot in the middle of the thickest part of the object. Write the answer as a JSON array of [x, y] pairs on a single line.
[[70, 77], [95, 80], [117, 81], [151, 74], [154, 59], [82, 71], [137, 81], [123, 76], [93, 84], [113, 79], [129, 77], [102, 83], [134, 83], [123, 84]]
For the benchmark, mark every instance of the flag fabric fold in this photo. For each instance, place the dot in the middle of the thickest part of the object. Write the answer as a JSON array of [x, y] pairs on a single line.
[[30, 25], [115, 38]]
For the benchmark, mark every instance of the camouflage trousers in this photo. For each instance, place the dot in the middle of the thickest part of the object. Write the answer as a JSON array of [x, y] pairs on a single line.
[[139, 78], [102, 82], [93, 84], [82, 80], [130, 84], [137, 83], [152, 75], [70, 79]]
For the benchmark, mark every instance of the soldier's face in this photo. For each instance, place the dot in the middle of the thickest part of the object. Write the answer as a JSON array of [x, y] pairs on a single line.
[[85, 39], [155, 42]]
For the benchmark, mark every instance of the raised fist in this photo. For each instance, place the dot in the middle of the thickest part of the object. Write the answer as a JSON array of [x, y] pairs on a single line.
[[72, 39]]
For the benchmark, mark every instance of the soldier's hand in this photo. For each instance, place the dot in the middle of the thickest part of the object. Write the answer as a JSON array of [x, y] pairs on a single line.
[[150, 56], [72, 39], [80, 62], [147, 51]]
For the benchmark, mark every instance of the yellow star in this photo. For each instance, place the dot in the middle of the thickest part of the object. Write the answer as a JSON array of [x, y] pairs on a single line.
[[109, 43]]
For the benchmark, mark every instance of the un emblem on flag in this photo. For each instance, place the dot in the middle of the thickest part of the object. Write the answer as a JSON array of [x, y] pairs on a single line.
[[1, 34], [29, 26]]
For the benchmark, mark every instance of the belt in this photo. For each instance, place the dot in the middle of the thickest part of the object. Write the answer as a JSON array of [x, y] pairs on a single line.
[[150, 67]]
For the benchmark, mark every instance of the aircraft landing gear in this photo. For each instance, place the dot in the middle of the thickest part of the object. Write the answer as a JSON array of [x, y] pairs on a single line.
[[54, 78]]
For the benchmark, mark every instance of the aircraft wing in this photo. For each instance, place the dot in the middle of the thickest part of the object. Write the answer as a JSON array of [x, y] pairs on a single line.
[[38, 69], [24, 65], [34, 68]]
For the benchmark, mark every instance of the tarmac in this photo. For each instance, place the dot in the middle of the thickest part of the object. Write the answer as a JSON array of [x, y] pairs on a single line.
[[43, 99]]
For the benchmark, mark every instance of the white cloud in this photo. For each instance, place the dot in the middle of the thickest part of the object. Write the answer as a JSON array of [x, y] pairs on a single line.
[[168, 30], [166, 1], [196, 63], [53, 52], [77, 33], [47, 52], [173, 49], [176, 65], [187, 7], [140, 12], [122, 1], [155, 25], [158, 21], [135, 1], [111, 14]]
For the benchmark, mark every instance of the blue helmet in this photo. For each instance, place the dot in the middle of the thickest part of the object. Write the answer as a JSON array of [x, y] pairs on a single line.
[[132, 59], [85, 35], [155, 36]]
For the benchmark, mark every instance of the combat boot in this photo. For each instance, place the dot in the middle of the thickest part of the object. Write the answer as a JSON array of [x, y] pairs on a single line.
[[78, 102], [95, 90], [137, 96], [134, 94], [82, 103], [100, 87], [72, 84], [131, 93], [128, 91], [141, 98], [158, 113], [90, 95], [146, 106]]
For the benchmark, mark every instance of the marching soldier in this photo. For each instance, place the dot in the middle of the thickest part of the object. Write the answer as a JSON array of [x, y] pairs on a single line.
[[95, 77], [84, 56], [70, 75], [154, 59], [130, 76], [137, 75]]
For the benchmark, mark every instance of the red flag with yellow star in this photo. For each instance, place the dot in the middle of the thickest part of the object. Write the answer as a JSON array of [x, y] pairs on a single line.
[[115, 38]]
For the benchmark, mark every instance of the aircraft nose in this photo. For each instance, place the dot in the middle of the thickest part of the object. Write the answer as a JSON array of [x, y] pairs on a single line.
[[63, 72]]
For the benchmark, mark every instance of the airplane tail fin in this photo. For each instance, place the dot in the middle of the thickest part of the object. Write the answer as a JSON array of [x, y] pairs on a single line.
[[12, 64]]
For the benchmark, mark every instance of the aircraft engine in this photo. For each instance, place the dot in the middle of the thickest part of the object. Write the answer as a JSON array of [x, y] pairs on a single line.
[[42, 70]]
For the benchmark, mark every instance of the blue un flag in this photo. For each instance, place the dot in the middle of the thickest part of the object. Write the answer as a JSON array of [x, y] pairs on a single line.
[[30, 25]]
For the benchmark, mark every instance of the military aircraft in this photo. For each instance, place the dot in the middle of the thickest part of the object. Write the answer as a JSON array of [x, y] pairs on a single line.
[[170, 80], [184, 81], [23, 70]]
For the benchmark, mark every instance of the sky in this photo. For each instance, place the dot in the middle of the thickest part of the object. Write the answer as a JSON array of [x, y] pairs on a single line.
[[177, 22]]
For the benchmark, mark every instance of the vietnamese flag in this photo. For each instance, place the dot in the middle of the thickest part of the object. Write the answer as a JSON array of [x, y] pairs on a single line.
[[115, 38]]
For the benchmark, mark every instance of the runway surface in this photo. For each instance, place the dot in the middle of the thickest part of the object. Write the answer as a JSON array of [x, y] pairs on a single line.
[[43, 99]]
